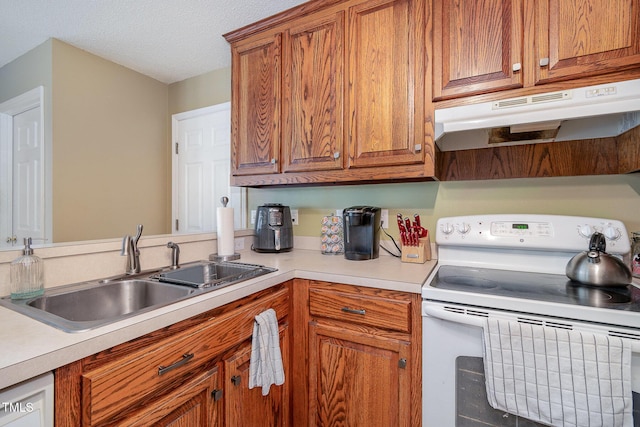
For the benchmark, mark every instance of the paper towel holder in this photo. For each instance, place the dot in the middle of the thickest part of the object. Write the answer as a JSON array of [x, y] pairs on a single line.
[[220, 258]]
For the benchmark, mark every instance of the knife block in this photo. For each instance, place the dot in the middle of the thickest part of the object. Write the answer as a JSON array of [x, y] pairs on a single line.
[[417, 254]]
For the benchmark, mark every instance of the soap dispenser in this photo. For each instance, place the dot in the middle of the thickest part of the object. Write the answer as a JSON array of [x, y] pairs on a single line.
[[27, 274]]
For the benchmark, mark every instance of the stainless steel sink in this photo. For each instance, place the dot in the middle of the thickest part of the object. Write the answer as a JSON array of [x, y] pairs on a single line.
[[212, 274], [111, 300], [85, 306]]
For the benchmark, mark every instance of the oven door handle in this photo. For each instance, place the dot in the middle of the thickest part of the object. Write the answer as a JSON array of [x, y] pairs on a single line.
[[479, 321], [440, 313]]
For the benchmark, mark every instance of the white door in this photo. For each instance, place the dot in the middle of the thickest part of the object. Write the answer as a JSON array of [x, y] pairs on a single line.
[[28, 154], [201, 160], [22, 170]]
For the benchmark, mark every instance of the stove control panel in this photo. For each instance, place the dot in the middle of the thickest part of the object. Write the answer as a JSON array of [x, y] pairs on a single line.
[[547, 232], [519, 229]]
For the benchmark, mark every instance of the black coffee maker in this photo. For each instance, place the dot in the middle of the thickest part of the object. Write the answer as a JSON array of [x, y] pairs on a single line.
[[361, 232]]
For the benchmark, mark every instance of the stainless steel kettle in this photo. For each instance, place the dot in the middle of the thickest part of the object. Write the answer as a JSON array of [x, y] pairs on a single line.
[[596, 267]]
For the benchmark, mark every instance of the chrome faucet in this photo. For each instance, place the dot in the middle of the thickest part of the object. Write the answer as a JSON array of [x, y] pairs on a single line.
[[130, 250], [175, 255]]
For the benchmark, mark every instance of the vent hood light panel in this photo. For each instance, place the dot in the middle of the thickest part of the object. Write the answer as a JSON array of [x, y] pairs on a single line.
[[584, 113]]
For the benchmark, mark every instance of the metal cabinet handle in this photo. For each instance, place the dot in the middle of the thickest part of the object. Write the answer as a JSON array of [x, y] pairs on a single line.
[[274, 161], [185, 359], [544, 62], [336, 155], [517, 66], [236, 379], [360, 311]]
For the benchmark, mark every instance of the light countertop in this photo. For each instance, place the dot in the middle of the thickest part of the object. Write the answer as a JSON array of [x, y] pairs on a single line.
[[30, 348]]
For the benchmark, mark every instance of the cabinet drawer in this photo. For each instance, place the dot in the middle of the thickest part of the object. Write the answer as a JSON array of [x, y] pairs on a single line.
[[372, 308], [125, 382]]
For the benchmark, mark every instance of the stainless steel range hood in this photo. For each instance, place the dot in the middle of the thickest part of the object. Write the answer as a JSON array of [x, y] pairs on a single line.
[[584, 113]]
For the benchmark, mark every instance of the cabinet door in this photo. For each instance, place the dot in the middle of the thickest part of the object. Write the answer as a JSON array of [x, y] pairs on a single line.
[[248, 407], [386, 86], [586, 37], [357, 379], [192, 404], [477, 46], [255, 116], [313, 101]]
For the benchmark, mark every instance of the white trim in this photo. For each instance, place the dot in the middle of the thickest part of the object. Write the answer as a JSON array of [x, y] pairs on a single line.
[[6, 177], [23, 102]]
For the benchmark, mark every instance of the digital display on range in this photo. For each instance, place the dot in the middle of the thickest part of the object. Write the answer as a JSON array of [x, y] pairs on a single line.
[[520, 226]]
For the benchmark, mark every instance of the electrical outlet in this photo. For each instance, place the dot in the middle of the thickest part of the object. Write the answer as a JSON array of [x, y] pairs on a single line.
[[253, 217], [384, 218], [294, 216], [238, 244]]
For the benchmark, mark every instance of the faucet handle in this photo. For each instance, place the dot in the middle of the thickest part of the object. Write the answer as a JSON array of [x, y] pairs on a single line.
[[138, 234]]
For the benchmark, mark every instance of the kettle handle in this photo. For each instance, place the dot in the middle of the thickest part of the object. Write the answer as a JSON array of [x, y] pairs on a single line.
[[597, 242]]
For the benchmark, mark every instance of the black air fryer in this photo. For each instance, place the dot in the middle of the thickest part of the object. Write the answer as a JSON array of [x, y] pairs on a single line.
[[361, 232], [274, 229]]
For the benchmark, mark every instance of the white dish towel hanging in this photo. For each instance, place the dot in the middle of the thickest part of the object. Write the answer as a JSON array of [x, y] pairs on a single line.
[[556, 376], [265, 366]]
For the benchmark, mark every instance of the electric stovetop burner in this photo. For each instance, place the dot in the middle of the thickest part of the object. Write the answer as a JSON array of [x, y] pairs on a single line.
[[598, 296], [535, 286]]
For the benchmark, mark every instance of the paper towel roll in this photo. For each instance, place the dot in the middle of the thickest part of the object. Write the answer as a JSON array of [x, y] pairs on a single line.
[[225, 231]]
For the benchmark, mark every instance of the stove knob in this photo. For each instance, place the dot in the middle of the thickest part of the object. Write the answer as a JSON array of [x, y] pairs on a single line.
[[585, 230], [611, 233], [464, 228], [447, 228]]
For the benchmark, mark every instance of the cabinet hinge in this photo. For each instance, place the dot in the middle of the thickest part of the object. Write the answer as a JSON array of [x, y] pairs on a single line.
[[402, 363]]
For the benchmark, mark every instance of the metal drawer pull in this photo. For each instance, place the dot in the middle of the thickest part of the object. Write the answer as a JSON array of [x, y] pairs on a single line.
[[185, 359], [236, 379], [354, 310]]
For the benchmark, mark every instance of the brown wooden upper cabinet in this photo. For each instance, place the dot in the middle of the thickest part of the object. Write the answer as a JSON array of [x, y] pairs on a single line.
[[331, 91], [313, 101], [483, 46], [385, 110], [255, 115]]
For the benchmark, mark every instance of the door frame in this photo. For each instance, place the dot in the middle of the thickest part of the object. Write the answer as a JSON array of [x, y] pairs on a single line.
[[31, 99], [238, 196]]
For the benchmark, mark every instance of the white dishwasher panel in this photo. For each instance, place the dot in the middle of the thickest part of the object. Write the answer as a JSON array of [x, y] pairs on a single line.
[[28, 404]]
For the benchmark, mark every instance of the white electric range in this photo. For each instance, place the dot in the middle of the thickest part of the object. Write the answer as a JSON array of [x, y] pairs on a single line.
[[511, 267]]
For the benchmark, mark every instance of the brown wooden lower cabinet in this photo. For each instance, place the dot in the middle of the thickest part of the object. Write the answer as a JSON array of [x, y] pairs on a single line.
[[357, 379], [352, 357], [191, 404], [364, 356], [174, 376], [248, 407]]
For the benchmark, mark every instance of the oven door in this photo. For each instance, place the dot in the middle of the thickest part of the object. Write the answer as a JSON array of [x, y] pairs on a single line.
[[453, 386]]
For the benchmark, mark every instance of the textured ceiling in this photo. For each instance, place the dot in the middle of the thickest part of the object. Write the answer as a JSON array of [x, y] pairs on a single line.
[[169, 40]]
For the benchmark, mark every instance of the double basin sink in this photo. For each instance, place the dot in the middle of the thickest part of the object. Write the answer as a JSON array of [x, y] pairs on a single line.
[[85, 306]]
